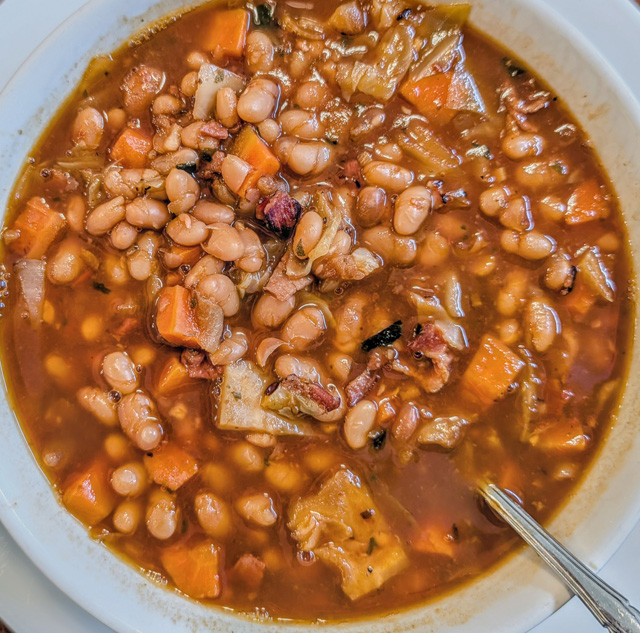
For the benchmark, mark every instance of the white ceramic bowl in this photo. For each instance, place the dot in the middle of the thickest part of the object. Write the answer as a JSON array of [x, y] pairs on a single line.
[[516, 595]]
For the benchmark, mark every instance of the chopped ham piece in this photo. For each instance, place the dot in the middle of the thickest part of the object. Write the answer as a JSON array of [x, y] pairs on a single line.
[[214, 130], [430, 344], [283, 287], [280, 212], [249, 570], [313, 391]]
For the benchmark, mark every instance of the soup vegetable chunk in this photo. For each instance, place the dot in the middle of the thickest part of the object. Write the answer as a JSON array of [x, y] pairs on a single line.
[[285, 282]]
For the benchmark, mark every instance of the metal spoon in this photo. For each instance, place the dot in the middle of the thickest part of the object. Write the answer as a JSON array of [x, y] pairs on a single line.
[[612, 610]]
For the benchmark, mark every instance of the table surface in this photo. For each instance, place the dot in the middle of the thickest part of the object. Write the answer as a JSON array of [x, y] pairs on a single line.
[[28, 601]]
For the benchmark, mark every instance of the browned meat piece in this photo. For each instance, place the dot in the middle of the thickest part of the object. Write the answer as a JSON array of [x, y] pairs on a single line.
[[280, 212], [58, 182], [214, 130], [199, 366], [429, 344], [283, 287], [313, 391], [140, 86], [362, 384], [208, 170], [519, 107], [248, 570]]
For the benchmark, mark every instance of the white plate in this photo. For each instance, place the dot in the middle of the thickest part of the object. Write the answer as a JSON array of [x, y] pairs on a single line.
[[28, 601]]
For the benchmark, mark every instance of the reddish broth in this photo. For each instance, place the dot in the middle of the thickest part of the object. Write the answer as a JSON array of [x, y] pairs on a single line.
[[512, 290]]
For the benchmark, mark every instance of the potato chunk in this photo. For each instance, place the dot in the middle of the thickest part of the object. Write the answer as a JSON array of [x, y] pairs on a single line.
[[343, 527], [243, 385]]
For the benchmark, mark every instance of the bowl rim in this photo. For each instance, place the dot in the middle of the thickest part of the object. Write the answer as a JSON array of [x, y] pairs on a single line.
[[9, 514]]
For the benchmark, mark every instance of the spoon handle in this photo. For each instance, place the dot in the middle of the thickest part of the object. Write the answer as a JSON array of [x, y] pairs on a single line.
[[612, 610]]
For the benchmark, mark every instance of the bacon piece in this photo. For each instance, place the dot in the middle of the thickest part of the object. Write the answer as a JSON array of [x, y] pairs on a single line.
[[280, 212], [360, 386], [214, 130], [363, 383], [283, 287], [199, 366], [353, 172], [430, 344], [313, 391]]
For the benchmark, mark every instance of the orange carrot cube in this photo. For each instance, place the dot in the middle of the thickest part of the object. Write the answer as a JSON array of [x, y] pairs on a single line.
[[131, 149]]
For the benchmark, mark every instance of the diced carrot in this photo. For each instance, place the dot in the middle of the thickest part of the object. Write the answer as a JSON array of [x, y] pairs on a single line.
[[586, 203], [227, 33], [434, 539], [173, 376], [176, 318], [491, 372], [38, 225], [170, 466], [89, 495], [194, 568], [430, 95], [131, 149], [561, 436], [252, 149]]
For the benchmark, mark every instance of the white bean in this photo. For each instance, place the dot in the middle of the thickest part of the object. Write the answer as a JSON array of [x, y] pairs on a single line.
[[120, 372], [98, 403], [162, 516], [412, 207], [105, 216], [187, 231], [139, 421], [389, 176], [88, 128], [359, 422], [183, 191], [258, 100], [147, 213], [257, 509]]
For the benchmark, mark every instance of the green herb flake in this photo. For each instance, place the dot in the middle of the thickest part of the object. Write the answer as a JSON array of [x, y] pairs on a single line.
[[382, 338], [85, 94], [558, 168], [190, 168], [372, 545], [101, 288], [237, 395], [193, 303]]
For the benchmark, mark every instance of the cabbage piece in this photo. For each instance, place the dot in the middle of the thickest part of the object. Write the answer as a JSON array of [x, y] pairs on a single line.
[[593, 271], [211, 79], [443, 52], [344, 528], [324, 206], [447, 432], [243, 385], [421, 144], [30, 274], [379, 77], [385, 12], [290, 404], [303, 27]]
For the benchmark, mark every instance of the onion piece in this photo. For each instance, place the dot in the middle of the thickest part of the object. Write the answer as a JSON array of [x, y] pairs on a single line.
[[31, 275], [211, 79]]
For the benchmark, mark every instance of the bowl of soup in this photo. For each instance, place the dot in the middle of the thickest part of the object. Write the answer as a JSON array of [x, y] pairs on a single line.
[[285, 281]]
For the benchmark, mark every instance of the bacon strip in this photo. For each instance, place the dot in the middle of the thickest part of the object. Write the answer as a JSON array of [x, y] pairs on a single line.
[[280, 212], [312, 390], [199, 366]]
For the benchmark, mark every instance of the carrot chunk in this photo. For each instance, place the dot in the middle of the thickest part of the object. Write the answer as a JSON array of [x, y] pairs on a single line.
[[252, 149], [491, 372], [227, 33], [586, 203], [88, 495], [38, 225], [194, 568], [430, 96], [176, 318], [435, 539], [173, 376], [131, 149], [170, 466], [561, 436]]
